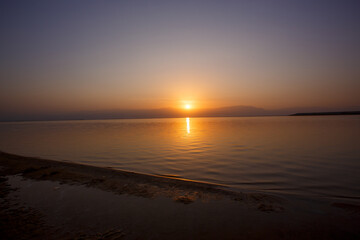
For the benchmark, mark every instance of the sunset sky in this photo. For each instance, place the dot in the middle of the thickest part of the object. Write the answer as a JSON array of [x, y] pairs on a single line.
[[75, 56]]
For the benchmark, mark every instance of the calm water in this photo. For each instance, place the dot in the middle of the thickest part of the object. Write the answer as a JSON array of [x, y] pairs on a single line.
[[315, 156]]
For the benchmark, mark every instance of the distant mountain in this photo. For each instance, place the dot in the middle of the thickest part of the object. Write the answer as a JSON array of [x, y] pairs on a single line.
[[233, 111]]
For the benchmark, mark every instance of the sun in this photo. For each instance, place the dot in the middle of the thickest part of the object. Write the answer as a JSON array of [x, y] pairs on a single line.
[[187, 106]]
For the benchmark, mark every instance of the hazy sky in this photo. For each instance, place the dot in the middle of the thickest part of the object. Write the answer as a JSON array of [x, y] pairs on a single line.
[[61, 56]]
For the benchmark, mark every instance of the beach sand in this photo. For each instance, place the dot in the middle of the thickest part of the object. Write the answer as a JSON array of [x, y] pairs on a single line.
[[45, 199]]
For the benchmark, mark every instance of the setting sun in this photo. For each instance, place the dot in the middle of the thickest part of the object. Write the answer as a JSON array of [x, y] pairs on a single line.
[[187, 106]]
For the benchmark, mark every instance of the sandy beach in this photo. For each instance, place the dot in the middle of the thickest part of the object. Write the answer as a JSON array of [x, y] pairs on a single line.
[[45, 199]]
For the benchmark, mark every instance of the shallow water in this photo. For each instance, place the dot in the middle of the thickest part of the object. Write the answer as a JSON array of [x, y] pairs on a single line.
[[312, 155]]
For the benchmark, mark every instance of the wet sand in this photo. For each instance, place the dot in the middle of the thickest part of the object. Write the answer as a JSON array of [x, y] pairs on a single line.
[[45, 199]]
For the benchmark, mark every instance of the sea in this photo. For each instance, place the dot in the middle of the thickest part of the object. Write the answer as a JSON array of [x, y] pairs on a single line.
[[297, 155]]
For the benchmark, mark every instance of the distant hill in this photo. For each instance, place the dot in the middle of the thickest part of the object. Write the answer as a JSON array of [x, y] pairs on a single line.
[[326, 113]]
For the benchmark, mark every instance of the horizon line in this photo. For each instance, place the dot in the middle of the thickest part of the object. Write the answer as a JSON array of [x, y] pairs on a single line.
[[335, 113]]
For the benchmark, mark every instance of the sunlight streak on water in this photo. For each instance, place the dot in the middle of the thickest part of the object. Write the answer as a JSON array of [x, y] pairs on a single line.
[[188, 125]]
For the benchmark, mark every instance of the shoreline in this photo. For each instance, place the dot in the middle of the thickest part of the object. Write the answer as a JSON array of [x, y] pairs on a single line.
[[42, 198], [121, 181]]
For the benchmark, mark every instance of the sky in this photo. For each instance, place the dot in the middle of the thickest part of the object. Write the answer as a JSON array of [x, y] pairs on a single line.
[[67, 57]]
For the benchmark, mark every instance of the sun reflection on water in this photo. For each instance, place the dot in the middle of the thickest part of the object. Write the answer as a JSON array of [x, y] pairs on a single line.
[[188, 125]]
